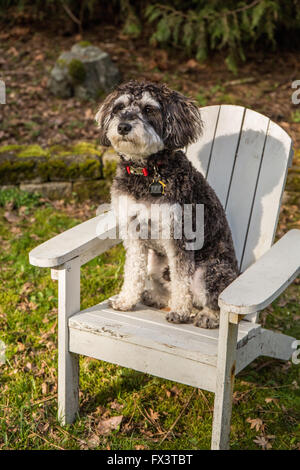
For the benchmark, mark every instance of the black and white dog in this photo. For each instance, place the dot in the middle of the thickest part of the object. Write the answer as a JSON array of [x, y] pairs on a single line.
[[148, 124]]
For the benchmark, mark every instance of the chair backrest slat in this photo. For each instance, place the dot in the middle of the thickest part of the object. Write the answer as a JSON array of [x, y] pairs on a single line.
[[199, 153], [245, 158], [267, 200], [244, 178], [224, 149]]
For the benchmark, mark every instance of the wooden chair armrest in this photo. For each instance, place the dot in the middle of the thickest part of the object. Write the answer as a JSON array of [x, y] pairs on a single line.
[[264, 280], [86, 240]]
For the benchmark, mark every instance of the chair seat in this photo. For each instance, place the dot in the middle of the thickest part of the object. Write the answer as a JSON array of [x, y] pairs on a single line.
[[128, 338]]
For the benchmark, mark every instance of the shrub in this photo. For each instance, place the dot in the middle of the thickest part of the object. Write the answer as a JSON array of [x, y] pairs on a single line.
[[198, 27]]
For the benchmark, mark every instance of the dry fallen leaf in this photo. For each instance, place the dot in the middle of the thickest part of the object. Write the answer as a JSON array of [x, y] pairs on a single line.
[[191, 64], [154, 415], [116, 406], [11, 217], [272, 400], [93, 441], [19, 31], [175, 390], [27, 287], [256, 423], [107, 425], [263, 442]]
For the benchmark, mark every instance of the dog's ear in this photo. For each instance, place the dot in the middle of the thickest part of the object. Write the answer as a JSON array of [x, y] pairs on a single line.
[[103, 117], [183, 124]]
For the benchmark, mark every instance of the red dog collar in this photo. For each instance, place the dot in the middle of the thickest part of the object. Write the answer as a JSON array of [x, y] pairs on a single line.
[[136, 170]]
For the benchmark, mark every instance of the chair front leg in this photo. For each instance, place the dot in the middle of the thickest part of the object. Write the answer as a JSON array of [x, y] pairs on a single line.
[[226, 363], [68, 363]]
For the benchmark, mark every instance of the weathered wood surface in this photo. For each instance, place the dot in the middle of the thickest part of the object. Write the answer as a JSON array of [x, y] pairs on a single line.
[[225, 374], [245, 158], [83, 240], [130, 338], [68, 367]]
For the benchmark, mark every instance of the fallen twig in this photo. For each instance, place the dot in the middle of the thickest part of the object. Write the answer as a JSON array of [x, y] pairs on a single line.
[[46, 440], [178, 417], [44, 399]]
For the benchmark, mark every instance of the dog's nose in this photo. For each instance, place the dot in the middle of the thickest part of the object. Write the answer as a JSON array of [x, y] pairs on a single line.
[[124, 128]]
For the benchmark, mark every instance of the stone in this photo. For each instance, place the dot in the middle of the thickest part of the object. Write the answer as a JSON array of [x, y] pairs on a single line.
[[32, 164], [98, 190], [86, 72], [14, 169], [57, 190]]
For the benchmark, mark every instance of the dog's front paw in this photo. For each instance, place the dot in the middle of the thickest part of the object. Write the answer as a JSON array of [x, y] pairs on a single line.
[[207, 318], [174, 317], [121, 303]]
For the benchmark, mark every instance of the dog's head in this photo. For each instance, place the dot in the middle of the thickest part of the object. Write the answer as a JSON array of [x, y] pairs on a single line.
[[142, 118]]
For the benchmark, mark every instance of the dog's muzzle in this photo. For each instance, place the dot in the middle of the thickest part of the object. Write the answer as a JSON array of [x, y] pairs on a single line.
[[124, 128]]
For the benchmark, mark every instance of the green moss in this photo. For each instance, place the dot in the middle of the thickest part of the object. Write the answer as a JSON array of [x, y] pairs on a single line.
[[24, 150], [109, 170], [86, 148], [81, 148], [62, 63], [76, 70], [10, 148], [84, 43], [13, 172], [90, 168], [32, 151]]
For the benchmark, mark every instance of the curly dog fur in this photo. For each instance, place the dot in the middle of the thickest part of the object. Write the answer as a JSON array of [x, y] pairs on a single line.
[[148, 124]]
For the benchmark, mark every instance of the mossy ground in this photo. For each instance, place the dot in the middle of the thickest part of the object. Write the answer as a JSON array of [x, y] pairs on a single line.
[[267, 391]]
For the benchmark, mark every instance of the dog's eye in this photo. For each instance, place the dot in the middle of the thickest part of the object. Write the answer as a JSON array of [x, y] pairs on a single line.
[[148, 109], [118, 107]]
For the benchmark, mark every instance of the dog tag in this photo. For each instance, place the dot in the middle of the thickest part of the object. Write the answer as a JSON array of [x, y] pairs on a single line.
[[157, 188]]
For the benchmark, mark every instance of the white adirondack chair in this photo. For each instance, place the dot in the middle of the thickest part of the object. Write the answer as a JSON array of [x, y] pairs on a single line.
[[245, 158]]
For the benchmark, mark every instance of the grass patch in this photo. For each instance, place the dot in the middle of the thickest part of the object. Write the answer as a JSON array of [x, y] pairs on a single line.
[[267, 391], [18, 198]]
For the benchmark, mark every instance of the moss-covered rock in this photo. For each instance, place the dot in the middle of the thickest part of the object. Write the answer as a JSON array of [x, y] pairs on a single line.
[[14, 170], [32, 151], [84, 43], [85, 71], [76, 71], [21, 163], [109, 170], [75, 167]]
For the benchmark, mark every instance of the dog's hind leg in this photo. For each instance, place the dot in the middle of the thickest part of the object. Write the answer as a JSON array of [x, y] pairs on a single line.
[[208, 282], [157, 284]]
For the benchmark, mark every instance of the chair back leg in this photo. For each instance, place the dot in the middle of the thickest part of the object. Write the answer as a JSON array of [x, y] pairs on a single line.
[[68, 364], [224, 382]]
